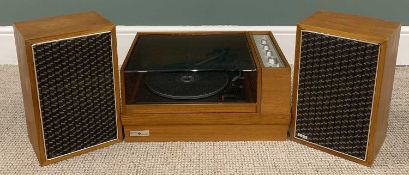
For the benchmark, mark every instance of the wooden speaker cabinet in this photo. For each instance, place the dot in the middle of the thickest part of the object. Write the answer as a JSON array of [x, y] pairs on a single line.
[[343, 78], [171, 87], [68, 71]]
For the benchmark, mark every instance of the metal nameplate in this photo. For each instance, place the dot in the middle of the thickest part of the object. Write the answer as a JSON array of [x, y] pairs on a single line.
[[143, 133]]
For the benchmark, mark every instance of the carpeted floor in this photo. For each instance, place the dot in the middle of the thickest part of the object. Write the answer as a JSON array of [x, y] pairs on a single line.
[[17, 156]]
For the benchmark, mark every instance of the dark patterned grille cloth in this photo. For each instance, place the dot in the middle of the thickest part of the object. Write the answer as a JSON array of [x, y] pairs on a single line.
[[336, 84], [76, 92], [269, 157]]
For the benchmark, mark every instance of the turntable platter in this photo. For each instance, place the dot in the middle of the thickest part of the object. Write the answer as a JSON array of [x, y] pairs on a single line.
[[186, 85]]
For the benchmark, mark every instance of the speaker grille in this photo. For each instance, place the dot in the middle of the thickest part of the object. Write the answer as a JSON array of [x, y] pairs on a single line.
[[335, 92], [76, 93]]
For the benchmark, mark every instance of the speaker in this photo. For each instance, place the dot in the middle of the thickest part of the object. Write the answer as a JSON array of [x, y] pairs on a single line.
[[69, 80], [343, 78]]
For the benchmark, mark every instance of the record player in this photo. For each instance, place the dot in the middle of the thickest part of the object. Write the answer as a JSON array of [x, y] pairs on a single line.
[[199, 86]]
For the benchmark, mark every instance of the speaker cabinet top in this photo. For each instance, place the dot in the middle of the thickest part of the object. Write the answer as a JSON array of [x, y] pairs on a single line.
[[74, 24], [350, 26]]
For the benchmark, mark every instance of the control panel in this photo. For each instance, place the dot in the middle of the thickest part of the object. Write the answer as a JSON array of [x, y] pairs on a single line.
[[267, 51]]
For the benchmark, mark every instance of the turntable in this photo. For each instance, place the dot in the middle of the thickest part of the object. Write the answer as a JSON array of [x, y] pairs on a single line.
[[195, 86]]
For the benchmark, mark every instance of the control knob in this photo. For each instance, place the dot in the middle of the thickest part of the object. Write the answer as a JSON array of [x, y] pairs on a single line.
[[269, 53], [272, 60], [266, 47]]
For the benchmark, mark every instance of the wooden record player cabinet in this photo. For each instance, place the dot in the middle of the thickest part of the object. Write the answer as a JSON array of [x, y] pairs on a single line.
[[266, 119]]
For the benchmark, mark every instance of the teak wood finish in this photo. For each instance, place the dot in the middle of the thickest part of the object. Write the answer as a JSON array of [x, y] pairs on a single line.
[[381, 32], [30, 32], [266, 119]]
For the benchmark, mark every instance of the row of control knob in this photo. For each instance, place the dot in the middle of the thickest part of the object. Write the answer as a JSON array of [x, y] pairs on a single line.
[[267, 51]]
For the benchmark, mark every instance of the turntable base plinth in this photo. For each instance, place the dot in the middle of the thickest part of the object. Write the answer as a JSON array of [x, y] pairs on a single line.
[[165, 133]]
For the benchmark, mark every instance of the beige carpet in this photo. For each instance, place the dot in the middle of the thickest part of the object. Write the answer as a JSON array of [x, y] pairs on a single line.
[[17, 156]]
